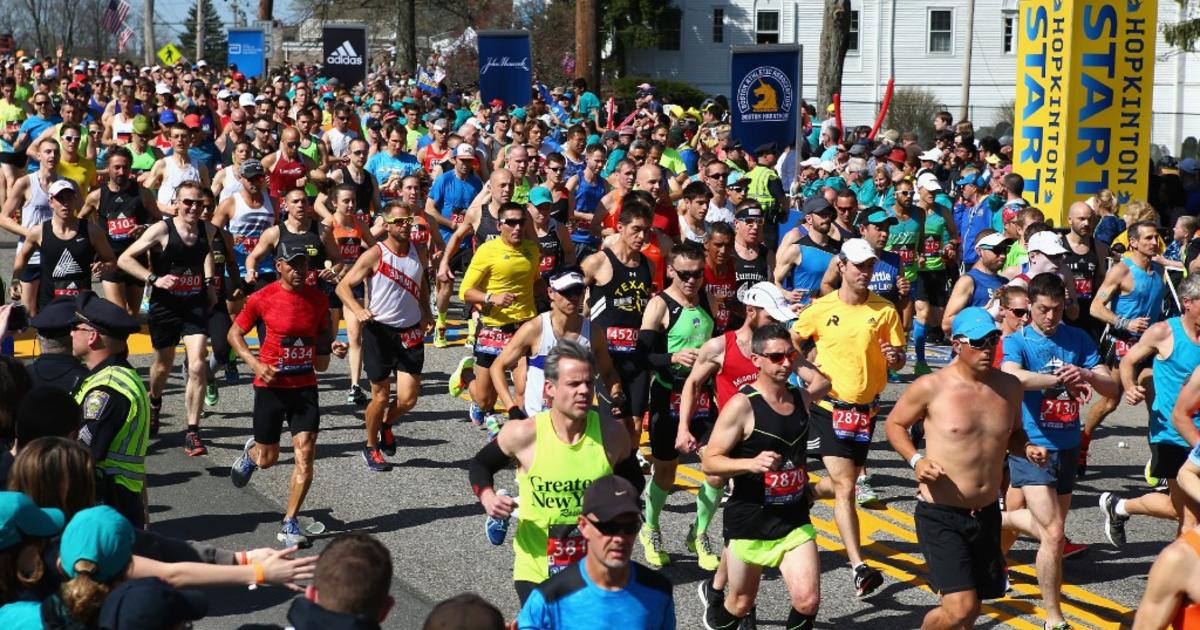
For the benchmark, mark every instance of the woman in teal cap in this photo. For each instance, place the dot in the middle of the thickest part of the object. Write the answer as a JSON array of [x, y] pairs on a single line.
[[25, 530]]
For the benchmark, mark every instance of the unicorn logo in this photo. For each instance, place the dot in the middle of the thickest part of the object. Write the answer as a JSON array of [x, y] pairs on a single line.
[[765, 94], [767, 100]]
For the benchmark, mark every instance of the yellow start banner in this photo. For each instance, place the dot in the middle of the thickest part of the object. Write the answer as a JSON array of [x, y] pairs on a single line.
[[1085, 77]]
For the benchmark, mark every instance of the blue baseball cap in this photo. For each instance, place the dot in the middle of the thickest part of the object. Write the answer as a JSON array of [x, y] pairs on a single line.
[[100, 535], [539, 195], [975, 179], [21, 517], [973, 323]]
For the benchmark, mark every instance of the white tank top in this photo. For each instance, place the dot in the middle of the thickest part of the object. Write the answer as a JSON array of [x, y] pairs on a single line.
[[173, 176], [246, 226], [232, 186], [394, 290], [36, 211], [535, 376]]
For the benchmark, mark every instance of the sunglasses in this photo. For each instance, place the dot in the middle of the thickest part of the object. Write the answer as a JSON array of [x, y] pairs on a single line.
[[904, 193], [512, 222], [263, 130], [358, 153], [342, 118], [1022, 313], [293, 144], [987, 342], [70, 138], [191, 203], [720, 176], [999, 251], [617, 528], [554, 169], [684, 276], [572, 292], [398, 220], [752, 220], [779, 357]]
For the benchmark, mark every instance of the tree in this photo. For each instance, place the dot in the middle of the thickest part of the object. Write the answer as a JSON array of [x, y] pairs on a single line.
[[215, 48], [636, 24], [1183, 35], [835, 41]]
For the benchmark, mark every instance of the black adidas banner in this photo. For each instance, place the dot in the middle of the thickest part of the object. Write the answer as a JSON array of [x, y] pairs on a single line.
[[346, 54]]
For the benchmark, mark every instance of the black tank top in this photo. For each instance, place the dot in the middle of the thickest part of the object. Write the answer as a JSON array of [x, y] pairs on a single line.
[[310, 240], [618, 305], [551, 249], [121, 213], [749, 272], [66, 264], [184, 261], [364, 193], [220, 256], [488, 229], [1083, 267], [770, 505]]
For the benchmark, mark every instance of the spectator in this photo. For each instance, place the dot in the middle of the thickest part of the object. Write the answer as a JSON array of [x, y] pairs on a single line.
[[55, 366], [151, 603], [465, 612]]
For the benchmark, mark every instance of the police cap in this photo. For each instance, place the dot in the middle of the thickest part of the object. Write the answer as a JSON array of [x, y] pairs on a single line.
[[56, 319], [107, 318]]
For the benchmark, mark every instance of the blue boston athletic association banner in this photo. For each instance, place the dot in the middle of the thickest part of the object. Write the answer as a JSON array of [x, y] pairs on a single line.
[[246, 49], [765, 94], [505, 67]]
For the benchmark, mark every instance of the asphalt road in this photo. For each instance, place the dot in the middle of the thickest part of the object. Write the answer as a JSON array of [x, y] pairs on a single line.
[[424, 512]]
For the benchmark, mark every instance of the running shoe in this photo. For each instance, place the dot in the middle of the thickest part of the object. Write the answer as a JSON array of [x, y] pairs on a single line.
[[866, 579], [291, 535], [1084, 442], [497, 528], [193, 445], [356, 396], [387, 440], [155, 410], [750, 621], [652, 544], [439, 338], [475, 415], [1073, 549], [863, 491], [492, 422], [1114, 524], [1154, 482], [458, 378], [894, 376], [375, 460], [702, 547], [212, 395], [1058, 626], [243, 466], [709, 595], [231, 374], [921, 369], [643, 462]]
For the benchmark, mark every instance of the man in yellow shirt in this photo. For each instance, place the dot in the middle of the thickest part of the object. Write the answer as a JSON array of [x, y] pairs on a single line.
[[499, 281], [858, 336], [71, 164]]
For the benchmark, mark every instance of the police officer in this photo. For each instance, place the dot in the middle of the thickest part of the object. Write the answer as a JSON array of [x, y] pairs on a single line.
[[116, 407], [767, 189], [55, 366]]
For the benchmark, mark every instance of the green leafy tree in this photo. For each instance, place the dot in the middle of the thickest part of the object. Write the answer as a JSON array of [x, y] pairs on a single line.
[[636, 24], [1182, 35], [215, 47]]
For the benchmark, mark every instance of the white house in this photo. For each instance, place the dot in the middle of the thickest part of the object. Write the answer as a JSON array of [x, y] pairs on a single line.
[[923, 40]]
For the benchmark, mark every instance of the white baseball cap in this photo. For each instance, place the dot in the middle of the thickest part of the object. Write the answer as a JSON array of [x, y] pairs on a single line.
[[162, 88], [932, 155], [812, 161], [1046, 242], [224, 94], [464, 150], [59, 186], [858, 251], [992, 241], [929, 182], [766, 295], [246, 100], [567, 279]]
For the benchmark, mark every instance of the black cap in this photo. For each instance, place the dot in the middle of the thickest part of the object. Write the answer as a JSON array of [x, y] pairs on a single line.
[[816, 205], [770, 148], [881, 150], [150, 603], [107, 318], [610, 497], [858, 150], [290, 251], [56, 319], [733, 145]]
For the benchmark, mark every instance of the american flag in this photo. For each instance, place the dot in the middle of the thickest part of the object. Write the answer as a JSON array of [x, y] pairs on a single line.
[[114, 16], [123, 39]]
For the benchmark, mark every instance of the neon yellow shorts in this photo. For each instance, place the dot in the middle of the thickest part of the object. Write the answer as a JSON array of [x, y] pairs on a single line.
[[769, 553]]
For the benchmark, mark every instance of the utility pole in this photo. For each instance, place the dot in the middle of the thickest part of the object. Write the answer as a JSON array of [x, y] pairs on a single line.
[[199, 30], [587, 58], [964, 113], [148, 33]]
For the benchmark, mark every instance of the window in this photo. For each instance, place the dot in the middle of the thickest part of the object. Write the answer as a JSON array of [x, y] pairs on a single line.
[[1010, 32], [767, 28], [853, 38], [941, 30], [718, 33], [668, 29]]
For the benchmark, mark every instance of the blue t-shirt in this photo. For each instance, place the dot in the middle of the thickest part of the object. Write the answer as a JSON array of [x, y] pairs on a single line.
[[1193, 457], [449, 193], [570, 599], [34, 126], [1051, 419], [383, 166]]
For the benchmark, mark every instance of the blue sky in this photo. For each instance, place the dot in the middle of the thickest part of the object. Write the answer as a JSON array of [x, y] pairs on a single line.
[[174, 12]]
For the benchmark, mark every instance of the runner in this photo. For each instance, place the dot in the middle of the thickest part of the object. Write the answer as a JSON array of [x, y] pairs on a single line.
[[1136, 288], [1172, 349], [760, 441], [558, 454], [1088, 260], [72, 252], [971, 416], [752, 261], [720, 278], [297, 340], [674, 325], [1056, 364], [287, 168], [804, 256], [182, 295], [352, 236], [904, 237], [30, 198], [554, 242], [355, 175], [858, 338], [229, 292], [394, 321], [125, 209], [300, 229], [1171, 593], [981, 283], [887, 281], [246, 215], [590, 189], [693, 208], [500, 281], [174, 169], [446, 207], [932, 282]]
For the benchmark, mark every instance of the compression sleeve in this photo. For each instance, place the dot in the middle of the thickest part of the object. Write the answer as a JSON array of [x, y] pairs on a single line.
[[485, 464], [630, 470], [652, 345]]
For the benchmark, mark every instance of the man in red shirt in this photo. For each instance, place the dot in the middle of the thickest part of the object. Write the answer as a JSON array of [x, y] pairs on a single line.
[[299, 340]]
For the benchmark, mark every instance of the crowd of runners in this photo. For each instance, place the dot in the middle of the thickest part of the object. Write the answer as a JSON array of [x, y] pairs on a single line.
[[639, 289]]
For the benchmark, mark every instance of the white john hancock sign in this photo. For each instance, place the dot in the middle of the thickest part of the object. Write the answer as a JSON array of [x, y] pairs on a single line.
[[504, 62]]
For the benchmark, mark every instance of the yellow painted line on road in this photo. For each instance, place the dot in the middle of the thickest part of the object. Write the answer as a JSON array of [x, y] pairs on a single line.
[[871, 523]]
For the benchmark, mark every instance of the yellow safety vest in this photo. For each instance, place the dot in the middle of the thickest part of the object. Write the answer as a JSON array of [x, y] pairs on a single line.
[[125, 461], [760, 190]]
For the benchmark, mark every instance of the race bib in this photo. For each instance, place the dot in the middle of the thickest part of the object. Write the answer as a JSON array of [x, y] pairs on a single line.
[[419, 234], [933, 246], [492, 340], [583, 226], [296, 355], [564, 546], [65, 289], [187, 283], [350, 249], [121, 228], [852, 424], [1121, 347], [703, 408], [412, 337], [1083, 287], [457, 216], [621, 340], [547, 263], [1059, 412], [311, 277], [907, 253], [247, 243], [783, 487]]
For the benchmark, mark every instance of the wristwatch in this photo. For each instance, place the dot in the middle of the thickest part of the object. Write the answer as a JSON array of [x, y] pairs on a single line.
[[152, 278]]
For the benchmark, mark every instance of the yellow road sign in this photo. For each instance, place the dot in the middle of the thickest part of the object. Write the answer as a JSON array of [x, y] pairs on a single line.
[[169, 55]]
